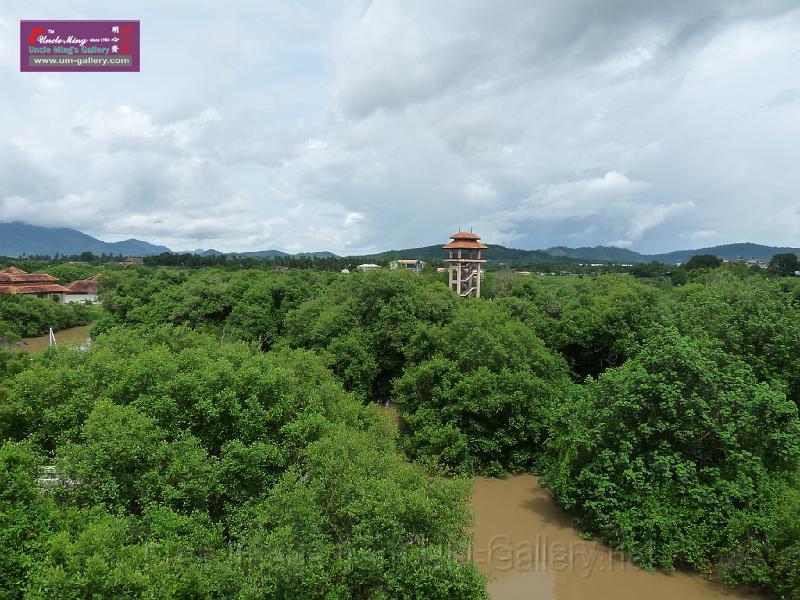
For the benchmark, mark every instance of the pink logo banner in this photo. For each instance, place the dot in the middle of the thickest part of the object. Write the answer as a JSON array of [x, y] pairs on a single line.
[[79, 46]]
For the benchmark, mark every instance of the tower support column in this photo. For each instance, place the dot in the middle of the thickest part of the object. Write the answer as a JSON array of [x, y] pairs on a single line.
[[465, 264]]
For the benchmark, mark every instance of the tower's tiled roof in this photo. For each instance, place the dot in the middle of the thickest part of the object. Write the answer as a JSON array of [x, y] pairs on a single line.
[[464, 245], [465, 235]]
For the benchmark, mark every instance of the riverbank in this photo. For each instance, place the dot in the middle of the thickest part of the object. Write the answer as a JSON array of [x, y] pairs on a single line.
[[529, 549], [71, 336]]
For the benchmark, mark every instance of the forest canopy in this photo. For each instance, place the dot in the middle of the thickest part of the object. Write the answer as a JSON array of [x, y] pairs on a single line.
[[224, 411], [186, 467]]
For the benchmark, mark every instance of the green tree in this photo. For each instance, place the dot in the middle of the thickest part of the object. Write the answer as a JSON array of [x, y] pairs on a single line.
[[364, 322], [703, 261], [189, 468], [754, 318], [595, 322], [660, 455], [478, 393], [785, 264], [27, 517], [27, 316]]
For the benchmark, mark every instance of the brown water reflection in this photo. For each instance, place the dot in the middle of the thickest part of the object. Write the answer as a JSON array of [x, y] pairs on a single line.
[[531, 550], [73, 336]]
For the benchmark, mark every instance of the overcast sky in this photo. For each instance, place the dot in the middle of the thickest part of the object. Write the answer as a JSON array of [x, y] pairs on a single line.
[[357, 126]]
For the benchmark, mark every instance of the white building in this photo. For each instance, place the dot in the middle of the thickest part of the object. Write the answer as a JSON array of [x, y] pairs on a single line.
[[84, 290], [368, 267], [409, 264]]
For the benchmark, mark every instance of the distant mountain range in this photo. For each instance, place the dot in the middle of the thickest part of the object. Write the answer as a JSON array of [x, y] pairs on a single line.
[[611, 254], [17, 239], [494, 253], [623, 255], [262, 254]]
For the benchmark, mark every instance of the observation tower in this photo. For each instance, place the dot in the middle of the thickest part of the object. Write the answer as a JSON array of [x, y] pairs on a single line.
[[464, 258]]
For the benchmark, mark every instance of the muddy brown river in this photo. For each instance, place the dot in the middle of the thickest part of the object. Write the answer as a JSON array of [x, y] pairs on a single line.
[[530, 550], [73, 335]]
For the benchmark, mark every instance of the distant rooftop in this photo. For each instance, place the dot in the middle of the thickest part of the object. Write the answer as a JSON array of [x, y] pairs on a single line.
[[13, 275], [83, 286], [17, 281]]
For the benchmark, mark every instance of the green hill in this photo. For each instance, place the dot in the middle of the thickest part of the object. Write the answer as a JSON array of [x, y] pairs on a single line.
[[495, 254], [17, 239]]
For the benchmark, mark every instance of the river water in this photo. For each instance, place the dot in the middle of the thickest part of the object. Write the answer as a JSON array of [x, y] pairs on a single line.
[[530, 550], [73, 335]]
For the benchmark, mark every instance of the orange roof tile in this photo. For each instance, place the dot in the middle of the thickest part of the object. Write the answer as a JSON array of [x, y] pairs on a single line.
[[83, 286], [465, 235], [43, 288], [14, 275], [464, 245]]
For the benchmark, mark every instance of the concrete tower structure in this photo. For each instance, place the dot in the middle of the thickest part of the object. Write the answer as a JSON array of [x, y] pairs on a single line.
[[464, 258]]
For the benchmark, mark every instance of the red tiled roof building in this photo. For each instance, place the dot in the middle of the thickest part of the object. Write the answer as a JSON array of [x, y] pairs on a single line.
[[83, 286], [83, 290], [464, 258], [17, 281]]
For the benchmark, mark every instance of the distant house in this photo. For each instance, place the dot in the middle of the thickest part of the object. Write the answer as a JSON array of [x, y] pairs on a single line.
[[409, 264], [84, 290], [368, 267], [132, 260], [758, 262], [17, 281]]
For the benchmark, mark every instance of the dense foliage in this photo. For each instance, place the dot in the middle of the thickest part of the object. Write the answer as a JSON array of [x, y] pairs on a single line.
[[240, 305], [219, 438], [785, 264], [756, 319], [364, 325], [595, 323], [187, 468], [703, 261], [477, 392], [659, 455], [27, 316]]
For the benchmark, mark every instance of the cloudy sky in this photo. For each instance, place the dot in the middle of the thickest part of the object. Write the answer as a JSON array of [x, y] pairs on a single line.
[[355, 126]]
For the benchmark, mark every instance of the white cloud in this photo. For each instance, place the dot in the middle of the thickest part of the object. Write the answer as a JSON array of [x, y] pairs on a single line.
[[119, 122], [611, 203], [581, 198], [480, 192], [369, 125], [353, 218], [703, 234], [314, 144], [647, 217]]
